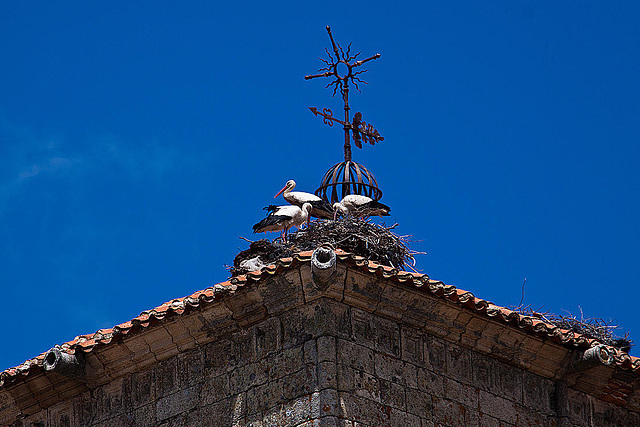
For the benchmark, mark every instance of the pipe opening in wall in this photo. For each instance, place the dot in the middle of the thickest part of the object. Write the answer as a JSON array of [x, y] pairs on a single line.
[[50, 360], [324, 256]]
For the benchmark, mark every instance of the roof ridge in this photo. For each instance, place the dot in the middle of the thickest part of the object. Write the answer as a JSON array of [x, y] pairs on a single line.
[[178, 306]]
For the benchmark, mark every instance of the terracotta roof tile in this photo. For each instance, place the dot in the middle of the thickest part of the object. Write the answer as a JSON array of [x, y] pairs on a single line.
[[178, 306]]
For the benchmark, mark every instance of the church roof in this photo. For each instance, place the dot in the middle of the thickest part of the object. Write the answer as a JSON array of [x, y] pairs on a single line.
[[182, 306]]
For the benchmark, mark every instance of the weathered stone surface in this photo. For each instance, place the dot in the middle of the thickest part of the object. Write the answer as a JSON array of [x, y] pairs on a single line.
[[419, 402], [285, 362], [393, 369], [376, 333], [267, 336], [458, 362], [177, 403], [362, 410], [268, 357], [358, 356], [166, 377], [430, 382], [498, 407], [363, 290], [216, 389], [300, 383], [461, 393], [326, 349], [538, 393], [448, 412], [413, 346], [323, 317]]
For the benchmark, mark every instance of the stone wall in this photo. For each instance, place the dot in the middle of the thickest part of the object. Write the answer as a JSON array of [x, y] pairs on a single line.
[[328, 363]]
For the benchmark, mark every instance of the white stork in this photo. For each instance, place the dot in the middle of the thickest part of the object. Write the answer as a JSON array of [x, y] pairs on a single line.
[[357, 205], [282, 218], [320, 208]]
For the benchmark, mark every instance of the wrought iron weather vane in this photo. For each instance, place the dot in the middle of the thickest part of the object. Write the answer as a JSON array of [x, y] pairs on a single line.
[[343, 69]]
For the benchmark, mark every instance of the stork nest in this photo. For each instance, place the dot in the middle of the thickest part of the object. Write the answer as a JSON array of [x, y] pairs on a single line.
[[594, 328], [361, 237]]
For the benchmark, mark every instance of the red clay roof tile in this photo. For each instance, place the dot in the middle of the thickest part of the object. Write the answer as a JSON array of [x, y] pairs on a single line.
[[86, 343]]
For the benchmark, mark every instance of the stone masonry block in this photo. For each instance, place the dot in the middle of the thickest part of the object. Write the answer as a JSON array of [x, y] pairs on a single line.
[[376, 333], [142, 388], [247, 306], [160, 342], [61, 414], [362, 290], [242, 347], [461, 393], [109, 399], [329, 402], [215, 320], [357, 382], [166, 377], [413, 346], [310, 352], [326, 348], [144, 415], [244, 377], [356, 355], [436, 354], [301, 411], [529, 417], [392, 369], [483, 369], [579, 407], [430, 382], [300, 383], [217, 357], [286, 362], [497, 407], [392, 394], [267, 335], [369, 413], [327, 375], [419, 309], [281, 292], [507, 382], [190, 368], [228, 412], [472, 330], [393, 302], [84, 409], [538, 392], [180, 333], [322, 317], [448, 412], [177, 403], [459, 363], [486, 420], [265, 396], [215, 389], [419, 403]]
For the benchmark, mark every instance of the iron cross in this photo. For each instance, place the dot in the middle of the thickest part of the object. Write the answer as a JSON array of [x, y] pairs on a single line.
[[342, 69]]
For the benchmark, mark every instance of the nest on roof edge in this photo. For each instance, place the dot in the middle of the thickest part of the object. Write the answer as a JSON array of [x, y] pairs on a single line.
[[595, 328], [359, 236]]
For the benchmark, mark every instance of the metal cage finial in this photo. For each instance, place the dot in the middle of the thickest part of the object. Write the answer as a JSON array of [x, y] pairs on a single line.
[[347, 177]]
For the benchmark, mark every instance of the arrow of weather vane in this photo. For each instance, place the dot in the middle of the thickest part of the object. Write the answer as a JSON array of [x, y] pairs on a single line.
[[361, 130]]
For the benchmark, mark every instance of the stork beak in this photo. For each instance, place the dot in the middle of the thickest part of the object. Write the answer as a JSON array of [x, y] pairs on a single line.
[[280, 192]]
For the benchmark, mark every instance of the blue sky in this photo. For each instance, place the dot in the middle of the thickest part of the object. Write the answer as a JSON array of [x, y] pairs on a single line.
[[139, 141]]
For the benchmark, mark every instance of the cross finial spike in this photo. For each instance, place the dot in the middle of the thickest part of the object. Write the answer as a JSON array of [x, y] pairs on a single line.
[[361, 130]]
